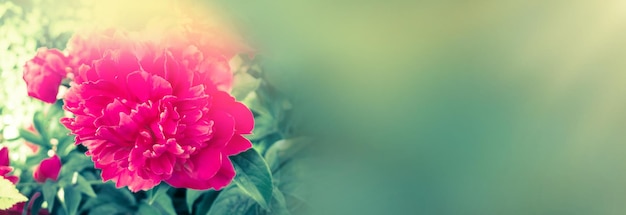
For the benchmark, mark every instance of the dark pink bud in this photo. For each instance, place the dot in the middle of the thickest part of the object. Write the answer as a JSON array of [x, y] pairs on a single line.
[[49, 168]]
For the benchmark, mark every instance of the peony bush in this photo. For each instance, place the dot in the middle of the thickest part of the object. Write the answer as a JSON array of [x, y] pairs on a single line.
[[178, 121]]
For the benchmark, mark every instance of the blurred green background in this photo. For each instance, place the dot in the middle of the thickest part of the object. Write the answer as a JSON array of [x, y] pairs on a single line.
[[446, 107], [456, 107]]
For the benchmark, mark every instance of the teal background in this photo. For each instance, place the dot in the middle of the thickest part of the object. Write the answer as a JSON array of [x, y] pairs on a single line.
[[455, 107]]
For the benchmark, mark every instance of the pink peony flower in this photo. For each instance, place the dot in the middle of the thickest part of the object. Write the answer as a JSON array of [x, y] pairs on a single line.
[[145, 116], [203, 49], [43, 74], [49, 168], [5, 167], [87, 47]]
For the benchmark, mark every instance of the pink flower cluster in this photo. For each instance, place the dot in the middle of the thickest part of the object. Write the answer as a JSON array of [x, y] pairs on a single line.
[[154, 110]]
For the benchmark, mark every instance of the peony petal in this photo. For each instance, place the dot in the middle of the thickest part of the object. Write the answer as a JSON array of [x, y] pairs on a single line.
[[221, 179], [5, 169], [244, 120], [4, 157], [105, 68], [159, 87], [207, 163], [224, 176], [182, 179], [215, 73], [161, 165], [138, 86], [223, 129], [236, 145], [126, 61], [109, 173], [12, 178]]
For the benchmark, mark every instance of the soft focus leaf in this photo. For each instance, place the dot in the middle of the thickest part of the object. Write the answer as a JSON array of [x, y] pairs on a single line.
[[204, 205], [253, 176], [146, 209], [191, 196], [125, 196], [279, 204], [36, 159], [284, 150], [252, 101], [264, 125], [41, 126], [55, 110], [9, 195], [66, 145], [164, 203], [157, 191], [231, 201], [109, 208], [83, 186], [70, 199], [107, 194], [283, 158], [106, 208], [75, 162], [32, 137], [49, 190], [243, 84]]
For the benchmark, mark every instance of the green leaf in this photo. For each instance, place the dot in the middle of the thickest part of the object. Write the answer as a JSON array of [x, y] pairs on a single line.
[[264, 125], [40, 125], [253, 176], [108, 208], [56, 109], [146, 209], [204, 205], [252, 101], [66, 144], [285, 159], [75, 162], [157, 191], [161, 205], [49, 191], [32, 137], [83, 186], [243, 84], [191, 196], [231, 201], [36, 159], [164, 203], [284, 150], [125, 196], [70, 199], [279, 205], [107, 194], [9, 195], [55, 112]]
